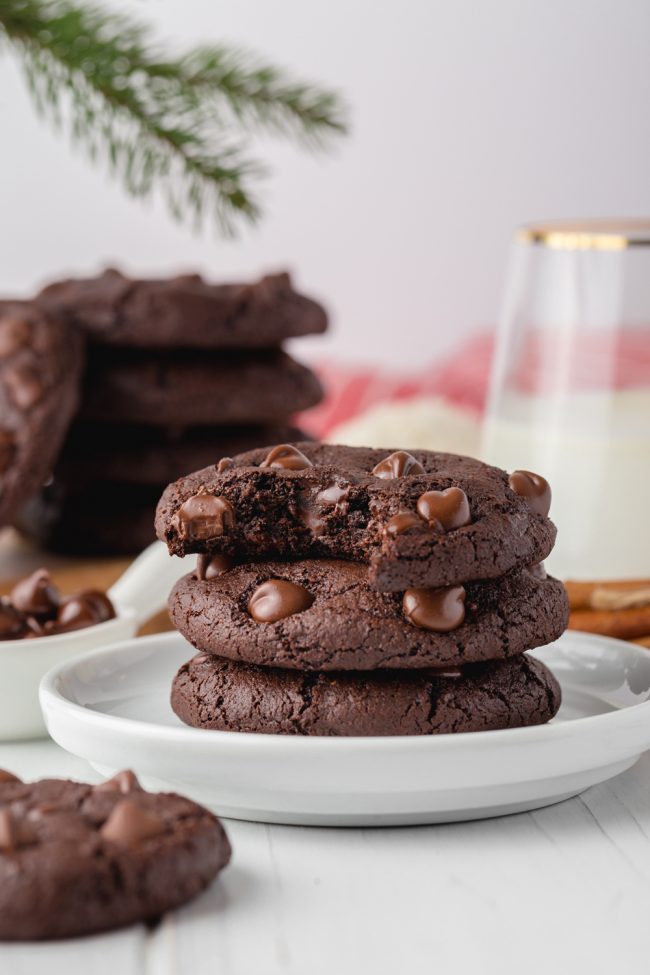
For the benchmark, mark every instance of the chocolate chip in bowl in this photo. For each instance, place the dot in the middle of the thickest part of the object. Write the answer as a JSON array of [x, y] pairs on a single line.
[[36, 608], [40, 627]]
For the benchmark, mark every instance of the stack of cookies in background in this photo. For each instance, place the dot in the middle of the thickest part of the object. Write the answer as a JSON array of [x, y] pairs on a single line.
[[177, 373], [349, 591]]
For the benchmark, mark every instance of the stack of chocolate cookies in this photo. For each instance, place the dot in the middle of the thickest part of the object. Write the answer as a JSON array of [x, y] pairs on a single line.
[[177, 372], [349, 591]]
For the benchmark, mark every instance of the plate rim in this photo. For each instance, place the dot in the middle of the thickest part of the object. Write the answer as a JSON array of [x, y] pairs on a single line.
[[52, 700]]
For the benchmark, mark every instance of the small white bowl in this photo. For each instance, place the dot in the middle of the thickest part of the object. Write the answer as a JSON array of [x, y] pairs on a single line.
[[137, 595]]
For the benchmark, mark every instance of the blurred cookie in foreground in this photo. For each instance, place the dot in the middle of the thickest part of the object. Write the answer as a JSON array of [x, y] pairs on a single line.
[[77, 859]]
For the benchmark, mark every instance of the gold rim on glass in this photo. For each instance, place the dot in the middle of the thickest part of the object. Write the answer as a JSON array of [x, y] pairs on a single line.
[[602, 235]]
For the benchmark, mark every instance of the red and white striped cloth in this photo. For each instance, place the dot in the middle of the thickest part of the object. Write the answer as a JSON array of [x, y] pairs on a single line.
[[462, 379], [609, 360]]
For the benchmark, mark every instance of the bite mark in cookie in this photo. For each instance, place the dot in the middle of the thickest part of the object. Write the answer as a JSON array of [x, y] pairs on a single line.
[[337, 508]]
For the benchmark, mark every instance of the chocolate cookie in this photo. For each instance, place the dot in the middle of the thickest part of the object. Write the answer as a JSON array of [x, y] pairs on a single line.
[[186, 388], [133, 454], [40, 365], [100, 518], [421, 519], [209, 692], [185, 311], [324, 615], [75, 858]]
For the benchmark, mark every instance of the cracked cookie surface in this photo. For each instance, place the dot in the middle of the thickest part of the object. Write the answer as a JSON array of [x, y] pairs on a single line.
[[209, 692], [348, 625]]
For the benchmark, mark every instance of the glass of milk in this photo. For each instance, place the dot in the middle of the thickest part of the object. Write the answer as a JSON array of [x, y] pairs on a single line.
[[570, 389]]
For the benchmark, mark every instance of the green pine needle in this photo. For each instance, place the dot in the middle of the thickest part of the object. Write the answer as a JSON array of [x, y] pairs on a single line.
[[174, 125]]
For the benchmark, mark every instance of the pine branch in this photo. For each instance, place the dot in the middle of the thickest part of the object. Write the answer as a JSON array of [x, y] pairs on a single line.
[[261, 95], [161, 123]]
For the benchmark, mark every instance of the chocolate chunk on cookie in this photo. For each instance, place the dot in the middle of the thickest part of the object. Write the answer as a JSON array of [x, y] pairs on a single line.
[[187, 388], [209, 692], [324, 615], [76, 859], [429, 521], [40, 366], [185, 311], [149, 455]]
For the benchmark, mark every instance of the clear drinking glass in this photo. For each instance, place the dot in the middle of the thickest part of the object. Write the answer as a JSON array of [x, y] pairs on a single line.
[[570, 389]]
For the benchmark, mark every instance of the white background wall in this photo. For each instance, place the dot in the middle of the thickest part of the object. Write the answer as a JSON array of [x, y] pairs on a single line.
[[469, 118]]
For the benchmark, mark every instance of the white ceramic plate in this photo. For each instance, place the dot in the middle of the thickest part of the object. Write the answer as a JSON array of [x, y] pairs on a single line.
[[111, 707]]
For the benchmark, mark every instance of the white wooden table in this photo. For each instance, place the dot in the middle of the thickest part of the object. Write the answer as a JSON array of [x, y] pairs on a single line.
[[565, 889]]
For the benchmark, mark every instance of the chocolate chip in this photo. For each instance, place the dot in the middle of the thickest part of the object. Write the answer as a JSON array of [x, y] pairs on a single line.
[[36, 595], [286, 457], [129, 824], [211, 566], [402, 522], [15, 333], [6, 776], [43, 809], [310, 510], [205, 516], [7, 450], [311, 515], [398, 464], [225, 464], [35, 627], [534, 489], [438, 610], [448, 509], [332, 494], [12, 623], [15, 831], [35, 608], [84, 609], [124, 782], [24, 386], [276, 599]]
